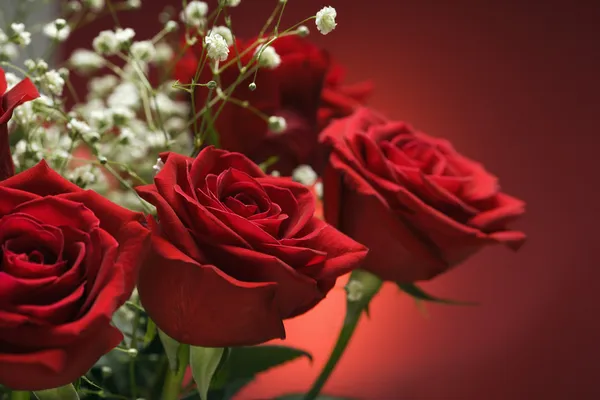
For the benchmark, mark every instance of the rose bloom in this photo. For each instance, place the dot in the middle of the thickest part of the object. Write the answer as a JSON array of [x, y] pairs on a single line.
[[235, 251], [23, 92], [306, 89], [418, 205], [69, 259]]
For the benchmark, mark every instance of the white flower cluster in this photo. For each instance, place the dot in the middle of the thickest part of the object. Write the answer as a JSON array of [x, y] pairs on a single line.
[[194, 14], [325, 20], [111, 42], [217, 47], [57, 30], [267, 57]]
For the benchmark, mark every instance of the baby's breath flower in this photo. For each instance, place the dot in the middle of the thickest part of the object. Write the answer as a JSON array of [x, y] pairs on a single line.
[[21, 36], [82, 129], [57, 30], [101, 86], [133, 4], [53, 82], [268, 57], [124, 36], [164, 53], [225, 32], [124, 95], [83, 176], [158, 166], [11, 80], [325, 20], [106, 43], [171, 26], [195, 13], [217, 47], [277, 124], [305, 175], [85, 61], [9, 51], [143, 51], [319, 189]]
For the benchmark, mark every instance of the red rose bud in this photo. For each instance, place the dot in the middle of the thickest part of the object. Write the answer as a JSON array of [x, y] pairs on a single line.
[[23, 92], [305, 86], [235, 251], [418, 205], [69, 260]]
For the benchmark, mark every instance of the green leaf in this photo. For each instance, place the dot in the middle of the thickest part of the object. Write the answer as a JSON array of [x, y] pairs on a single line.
[[67, 392], [204, 362], [415, 291], [171, 347], [150, 332], [247, 362]]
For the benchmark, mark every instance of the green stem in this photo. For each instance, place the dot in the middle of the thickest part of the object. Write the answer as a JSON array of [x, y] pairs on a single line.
[[358, 299], [18, 395], [174, 379]]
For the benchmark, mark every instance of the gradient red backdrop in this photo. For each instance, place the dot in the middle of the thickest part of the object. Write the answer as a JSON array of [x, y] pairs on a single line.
[[514, 84]]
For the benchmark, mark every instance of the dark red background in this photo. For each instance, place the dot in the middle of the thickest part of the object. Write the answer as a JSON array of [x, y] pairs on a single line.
[[516, 85]]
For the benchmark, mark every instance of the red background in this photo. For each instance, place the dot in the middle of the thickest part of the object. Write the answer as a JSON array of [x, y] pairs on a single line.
[[514, 84]]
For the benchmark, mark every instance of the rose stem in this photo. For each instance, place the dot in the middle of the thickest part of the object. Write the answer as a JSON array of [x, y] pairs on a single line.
[[356, 303], [173, 380], [18, 395]]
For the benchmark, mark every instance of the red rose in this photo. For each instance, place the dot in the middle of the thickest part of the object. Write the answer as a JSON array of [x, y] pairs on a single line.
[[69, 259], [293, 90], [23, 92], [418, 205], [235, 251]]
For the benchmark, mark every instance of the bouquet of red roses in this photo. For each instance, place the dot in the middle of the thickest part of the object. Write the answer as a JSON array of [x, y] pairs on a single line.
[[207, 187]]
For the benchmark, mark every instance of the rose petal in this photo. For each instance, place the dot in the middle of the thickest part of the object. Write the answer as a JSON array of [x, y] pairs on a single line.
[[40, 180], [205, 306]]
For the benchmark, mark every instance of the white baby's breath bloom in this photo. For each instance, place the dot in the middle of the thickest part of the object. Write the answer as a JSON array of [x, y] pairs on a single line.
[[11, 80], [143, 50], [133, 4], [121, 115], [268, 57], [303, 31], [85, 61], [124, 35], [319, 189], [100, 119], [217, 47], [74, 6], [158, 166], [171, 26], [225, 32], [9, 51], [195, 13], [305, 175], [277, 124], [20, 35], [81, 128], [325, 20], [275, 173], [125, 94], [101, 86], [94, 5], [231, 3], [83, 176], [57, 30], [106, 43], [164, 53], [54, 82]]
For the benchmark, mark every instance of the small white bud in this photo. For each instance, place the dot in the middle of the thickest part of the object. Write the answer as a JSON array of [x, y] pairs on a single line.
[[158, 166], [268, 57], [303, 31], [277, 124], [21, 36], [305, 175], [252, 86], [325, 20], [57, 30], [195, 13], [85, 61], [94, 5], [143, 51], [230, 3], [171, 26], [134, 4]]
